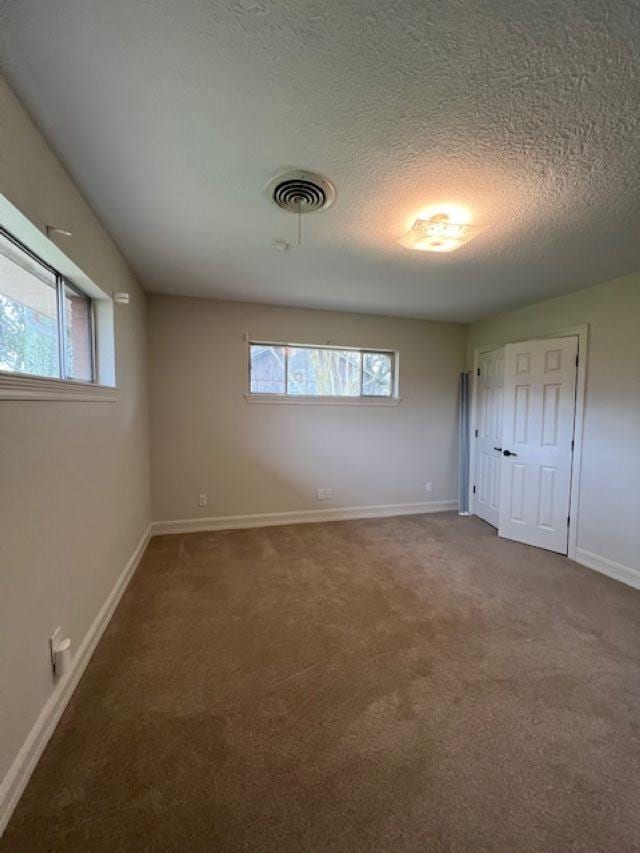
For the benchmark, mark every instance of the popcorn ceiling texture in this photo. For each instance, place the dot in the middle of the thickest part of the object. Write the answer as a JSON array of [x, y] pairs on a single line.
[[173, 116]]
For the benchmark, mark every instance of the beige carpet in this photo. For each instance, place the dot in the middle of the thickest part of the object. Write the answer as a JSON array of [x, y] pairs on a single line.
[[383, 685]]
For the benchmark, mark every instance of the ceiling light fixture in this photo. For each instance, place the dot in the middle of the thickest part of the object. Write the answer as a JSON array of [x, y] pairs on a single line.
[[439, 232]]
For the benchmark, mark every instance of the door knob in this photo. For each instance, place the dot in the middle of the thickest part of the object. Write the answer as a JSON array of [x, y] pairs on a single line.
[[508, 453], [499, 449]]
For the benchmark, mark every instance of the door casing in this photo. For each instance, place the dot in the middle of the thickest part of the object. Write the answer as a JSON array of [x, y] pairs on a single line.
[[582, 333], [488, 434]]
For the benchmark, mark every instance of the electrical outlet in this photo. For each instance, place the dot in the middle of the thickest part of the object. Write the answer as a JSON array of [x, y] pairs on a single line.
[[321, 494], [202, 500], [328, 494], [428, 486]]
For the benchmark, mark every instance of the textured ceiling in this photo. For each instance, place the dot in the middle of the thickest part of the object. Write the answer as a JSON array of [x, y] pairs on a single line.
[[173, 116]]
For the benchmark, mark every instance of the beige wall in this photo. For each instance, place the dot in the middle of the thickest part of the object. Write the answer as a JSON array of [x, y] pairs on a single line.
[[74, 476], [610, 502], [74, 496], [206, 438]]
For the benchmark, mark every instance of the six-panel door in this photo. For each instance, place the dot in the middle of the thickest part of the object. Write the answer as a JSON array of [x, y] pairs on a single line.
[[537, 437]]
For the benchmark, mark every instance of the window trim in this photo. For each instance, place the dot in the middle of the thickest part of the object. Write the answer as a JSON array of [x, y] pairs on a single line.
[[15, 385], [394, 399], [290, 400], [25, 386]]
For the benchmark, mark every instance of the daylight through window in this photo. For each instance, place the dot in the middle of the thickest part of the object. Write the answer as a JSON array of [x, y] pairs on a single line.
[[46, 324], [302, 371]]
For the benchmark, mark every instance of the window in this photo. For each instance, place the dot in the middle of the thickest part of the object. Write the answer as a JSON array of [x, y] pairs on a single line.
[[301, 371], [46, 324]]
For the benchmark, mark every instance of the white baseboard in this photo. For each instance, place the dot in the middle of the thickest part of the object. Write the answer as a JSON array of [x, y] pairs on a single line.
[[271, 519], [609, 567], [24, 764]]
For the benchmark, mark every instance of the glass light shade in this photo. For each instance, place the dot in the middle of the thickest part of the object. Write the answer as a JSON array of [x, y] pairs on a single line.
[[437, 234]]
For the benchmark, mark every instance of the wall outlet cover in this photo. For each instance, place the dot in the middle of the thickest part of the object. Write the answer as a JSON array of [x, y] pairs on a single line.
[[54, 642]]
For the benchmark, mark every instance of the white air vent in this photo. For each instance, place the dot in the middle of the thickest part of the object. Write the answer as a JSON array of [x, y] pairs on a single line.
[[301, 192]]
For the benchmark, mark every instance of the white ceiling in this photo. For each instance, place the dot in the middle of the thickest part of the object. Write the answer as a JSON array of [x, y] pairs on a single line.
[[172, 116]]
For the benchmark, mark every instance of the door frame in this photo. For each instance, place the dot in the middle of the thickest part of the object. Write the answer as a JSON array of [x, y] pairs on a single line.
[[582, 333]]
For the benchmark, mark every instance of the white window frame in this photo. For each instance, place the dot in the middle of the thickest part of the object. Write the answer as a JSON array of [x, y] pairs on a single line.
[[319, 400], [23, 386], [61, 283]]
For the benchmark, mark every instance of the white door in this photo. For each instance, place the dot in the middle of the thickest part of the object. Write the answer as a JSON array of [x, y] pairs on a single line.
[[488, 448], [537, 441]]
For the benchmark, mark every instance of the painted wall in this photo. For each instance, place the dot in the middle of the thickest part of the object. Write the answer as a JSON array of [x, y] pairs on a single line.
[[74, 494], [206, 438], [609, 502]]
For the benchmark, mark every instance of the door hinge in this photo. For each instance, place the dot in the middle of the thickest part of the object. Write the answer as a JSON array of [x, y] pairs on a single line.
[[573, 444], [568, 520], [478, 371], [474, 490], [476, 433], [577, 360]]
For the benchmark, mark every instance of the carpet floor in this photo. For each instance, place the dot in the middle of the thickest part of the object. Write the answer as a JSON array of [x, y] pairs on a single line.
[[400, 684]]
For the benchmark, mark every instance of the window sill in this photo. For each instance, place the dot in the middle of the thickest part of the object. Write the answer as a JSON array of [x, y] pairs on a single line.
[[16, 386], [271, 399]]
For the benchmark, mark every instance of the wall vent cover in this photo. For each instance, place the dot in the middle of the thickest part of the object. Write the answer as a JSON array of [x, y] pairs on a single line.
[[301, 192]]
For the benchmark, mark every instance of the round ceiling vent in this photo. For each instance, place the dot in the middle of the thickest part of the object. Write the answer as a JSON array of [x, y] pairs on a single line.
[[301, 192]]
